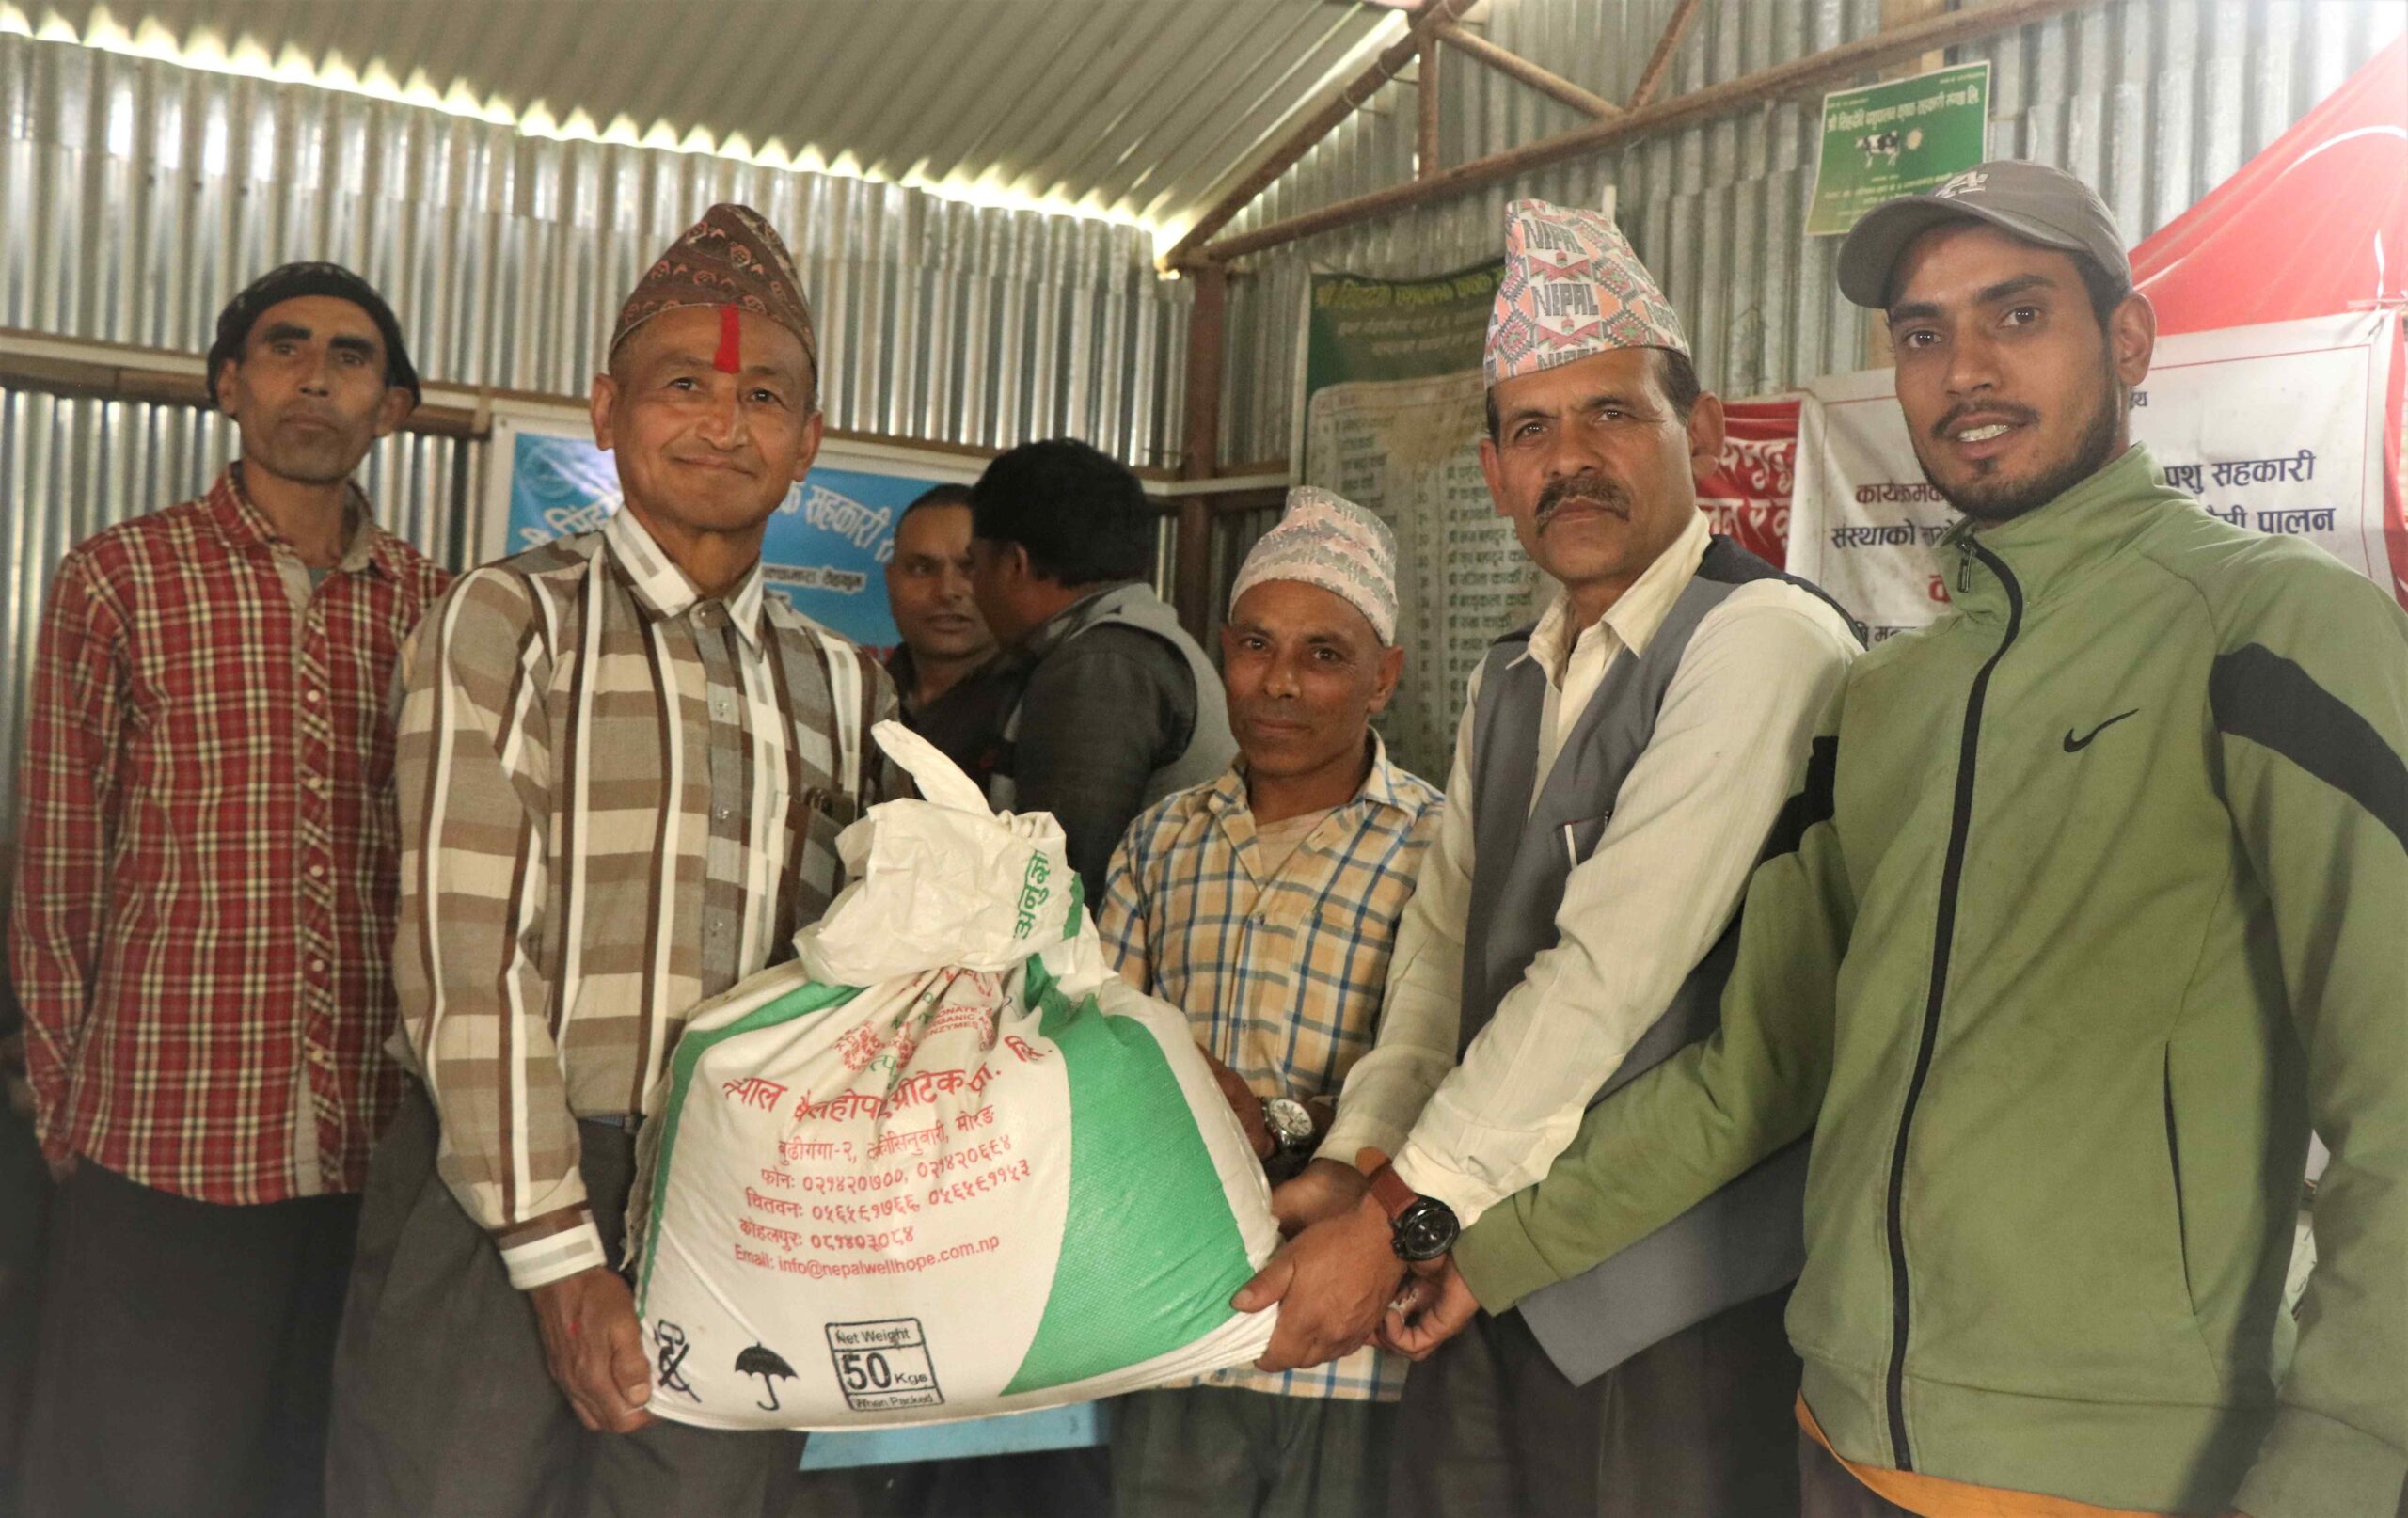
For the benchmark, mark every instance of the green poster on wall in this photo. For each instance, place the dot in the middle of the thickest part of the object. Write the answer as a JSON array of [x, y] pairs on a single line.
[[1899, 137], [1391, 411]]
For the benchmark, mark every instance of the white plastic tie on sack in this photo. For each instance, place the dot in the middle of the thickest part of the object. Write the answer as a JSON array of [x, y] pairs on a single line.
[[940, 881]]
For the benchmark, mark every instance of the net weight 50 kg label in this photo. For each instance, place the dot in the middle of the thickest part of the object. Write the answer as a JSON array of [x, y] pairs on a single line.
[[883, 1364]]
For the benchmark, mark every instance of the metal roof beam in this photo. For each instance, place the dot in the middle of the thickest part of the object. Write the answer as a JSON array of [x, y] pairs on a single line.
[[1659, 63], [1391, 61], [1814, 72], [1515, 67]]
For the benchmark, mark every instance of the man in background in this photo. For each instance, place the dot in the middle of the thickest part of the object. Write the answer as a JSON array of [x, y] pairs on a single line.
[[202, 912], [1264, 905], [1120, 708], [954, 687]]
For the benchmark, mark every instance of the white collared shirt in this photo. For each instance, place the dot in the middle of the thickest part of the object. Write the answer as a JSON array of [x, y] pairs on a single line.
[[1637, 915], [1573, 673]]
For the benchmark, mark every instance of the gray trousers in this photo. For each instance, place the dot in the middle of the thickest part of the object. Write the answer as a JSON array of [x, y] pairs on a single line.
[[1227, 1452], [442, 1402], [183, 1358], [1700, 1425]]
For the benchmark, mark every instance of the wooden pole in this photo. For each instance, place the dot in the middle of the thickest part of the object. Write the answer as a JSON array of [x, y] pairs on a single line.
[[1659, 63], [1814, 72], [1391, 62], [1192, 560], [1426, 93], [1514, 66]]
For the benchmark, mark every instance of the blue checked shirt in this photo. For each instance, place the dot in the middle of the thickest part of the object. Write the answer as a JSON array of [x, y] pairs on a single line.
[[1281, 978]]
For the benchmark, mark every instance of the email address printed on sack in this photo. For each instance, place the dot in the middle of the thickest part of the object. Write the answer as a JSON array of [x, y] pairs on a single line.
[[820, 1270]]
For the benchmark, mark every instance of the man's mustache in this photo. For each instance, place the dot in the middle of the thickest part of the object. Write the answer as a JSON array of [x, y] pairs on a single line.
[[1588, 489]]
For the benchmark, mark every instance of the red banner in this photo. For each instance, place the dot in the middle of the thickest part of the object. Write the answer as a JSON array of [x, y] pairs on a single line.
[[1748, 493]]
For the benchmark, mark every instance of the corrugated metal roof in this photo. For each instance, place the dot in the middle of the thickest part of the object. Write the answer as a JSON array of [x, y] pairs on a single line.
[[1135, 110], [2152, 102]]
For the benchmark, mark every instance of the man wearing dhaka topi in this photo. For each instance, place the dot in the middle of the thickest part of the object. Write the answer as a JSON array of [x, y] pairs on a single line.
[[623, 768]]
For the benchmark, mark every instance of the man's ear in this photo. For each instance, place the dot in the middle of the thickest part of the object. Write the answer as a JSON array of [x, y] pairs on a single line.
[[226, 385], [1391, 670], [1491, 468], [395, 409], [2131, 338], [605, 397], [1705, 435], [814, 429]]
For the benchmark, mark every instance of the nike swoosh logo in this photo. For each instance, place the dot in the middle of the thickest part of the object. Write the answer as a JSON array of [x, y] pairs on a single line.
[[2075, 745]]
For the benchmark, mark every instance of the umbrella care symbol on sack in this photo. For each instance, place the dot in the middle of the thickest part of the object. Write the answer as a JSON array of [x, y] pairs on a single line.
[[763, 1362]]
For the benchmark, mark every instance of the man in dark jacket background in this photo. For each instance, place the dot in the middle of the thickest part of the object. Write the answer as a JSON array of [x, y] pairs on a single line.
[[1121, 706]]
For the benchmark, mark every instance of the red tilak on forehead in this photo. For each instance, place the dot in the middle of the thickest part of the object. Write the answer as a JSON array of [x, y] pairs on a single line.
[[726, 360]]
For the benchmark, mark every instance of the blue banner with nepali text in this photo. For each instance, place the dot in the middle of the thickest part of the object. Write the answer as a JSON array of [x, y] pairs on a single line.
[[825, 548]]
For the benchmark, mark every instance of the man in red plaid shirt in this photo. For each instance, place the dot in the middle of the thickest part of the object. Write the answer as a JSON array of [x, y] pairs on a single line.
[[203, 905]]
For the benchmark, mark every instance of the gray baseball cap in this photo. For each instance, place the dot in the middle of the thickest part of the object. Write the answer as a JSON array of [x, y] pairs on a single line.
[[2032, 201]]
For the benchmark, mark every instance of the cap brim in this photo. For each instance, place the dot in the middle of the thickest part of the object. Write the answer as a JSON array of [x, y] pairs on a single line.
[[1870, 253]]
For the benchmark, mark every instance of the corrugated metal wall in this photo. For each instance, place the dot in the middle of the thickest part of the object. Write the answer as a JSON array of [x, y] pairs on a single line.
[[2153, 102], [137, 196]]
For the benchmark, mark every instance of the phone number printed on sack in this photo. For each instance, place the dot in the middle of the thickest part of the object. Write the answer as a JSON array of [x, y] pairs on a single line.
[[883, 1364]]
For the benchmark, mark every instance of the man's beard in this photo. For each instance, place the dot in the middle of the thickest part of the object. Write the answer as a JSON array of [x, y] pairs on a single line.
[[1995, 501], [325, 459]]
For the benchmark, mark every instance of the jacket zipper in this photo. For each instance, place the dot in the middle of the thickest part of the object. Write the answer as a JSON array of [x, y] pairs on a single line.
[[1944, 931]]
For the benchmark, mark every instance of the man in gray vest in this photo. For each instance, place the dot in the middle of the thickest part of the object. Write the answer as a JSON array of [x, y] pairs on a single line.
[[1617, 774], [1120, 708]]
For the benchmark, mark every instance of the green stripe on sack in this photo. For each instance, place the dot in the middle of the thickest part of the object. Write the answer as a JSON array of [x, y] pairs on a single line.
[[803, 1001], [1150, 1250]]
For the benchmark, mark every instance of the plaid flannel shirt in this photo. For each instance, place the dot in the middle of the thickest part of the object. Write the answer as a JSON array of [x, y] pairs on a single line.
[[204, 889], [618, 799], [1281, 978]]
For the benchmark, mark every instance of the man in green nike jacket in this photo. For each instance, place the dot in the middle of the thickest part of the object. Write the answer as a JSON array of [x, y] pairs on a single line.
[[2098, 904]]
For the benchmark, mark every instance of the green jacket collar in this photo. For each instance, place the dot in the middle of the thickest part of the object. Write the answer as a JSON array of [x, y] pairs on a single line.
[[2052, 548]]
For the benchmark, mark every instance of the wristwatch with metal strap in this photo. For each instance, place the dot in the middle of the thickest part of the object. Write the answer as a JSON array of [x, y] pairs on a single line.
[[1291, 1125]]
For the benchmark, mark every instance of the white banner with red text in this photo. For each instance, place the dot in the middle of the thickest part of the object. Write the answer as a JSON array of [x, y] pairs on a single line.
[[2280, 428]]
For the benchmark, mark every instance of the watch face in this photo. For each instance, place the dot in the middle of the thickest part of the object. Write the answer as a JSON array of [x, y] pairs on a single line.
[[1426, 1230], [1290, 1124]]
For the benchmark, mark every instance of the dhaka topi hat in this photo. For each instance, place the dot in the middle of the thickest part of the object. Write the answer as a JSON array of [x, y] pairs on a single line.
[[291, 282], [2031, 201], [732, 260], [1573, 288], [1328, 540]]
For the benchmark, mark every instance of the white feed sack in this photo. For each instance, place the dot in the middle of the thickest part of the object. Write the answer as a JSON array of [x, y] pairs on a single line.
[[945, 1163]]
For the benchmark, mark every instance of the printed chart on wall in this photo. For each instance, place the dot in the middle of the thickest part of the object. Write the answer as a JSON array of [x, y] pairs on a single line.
[[2276, 429], [826, 546], [1391, 418], [1899, 137]]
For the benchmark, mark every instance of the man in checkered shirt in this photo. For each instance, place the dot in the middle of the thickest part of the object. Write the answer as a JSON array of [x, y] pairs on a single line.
[[1265, 904], [203, 903]]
